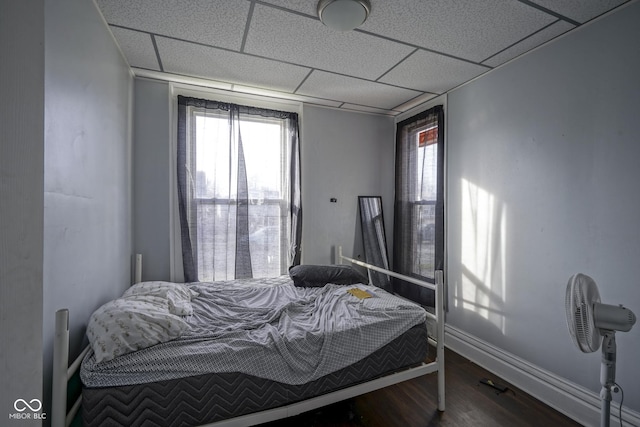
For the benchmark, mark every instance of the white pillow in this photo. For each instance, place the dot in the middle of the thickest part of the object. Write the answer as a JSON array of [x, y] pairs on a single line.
[[178, 295], [129, 324]]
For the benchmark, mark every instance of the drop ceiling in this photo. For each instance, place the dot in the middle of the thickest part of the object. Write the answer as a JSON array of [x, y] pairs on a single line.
[[407, 52]]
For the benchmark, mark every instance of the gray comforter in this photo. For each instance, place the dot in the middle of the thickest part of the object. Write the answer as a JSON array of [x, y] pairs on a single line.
[[274, 331]]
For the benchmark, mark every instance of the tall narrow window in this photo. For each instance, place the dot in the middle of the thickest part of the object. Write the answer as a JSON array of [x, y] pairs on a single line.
[[419, 205], [238, 190]]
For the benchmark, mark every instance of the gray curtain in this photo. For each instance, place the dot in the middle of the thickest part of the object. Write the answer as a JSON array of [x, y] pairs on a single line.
[[230, 223]]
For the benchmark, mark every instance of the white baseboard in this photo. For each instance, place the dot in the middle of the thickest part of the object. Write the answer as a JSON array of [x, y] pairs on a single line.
[[570, 399]]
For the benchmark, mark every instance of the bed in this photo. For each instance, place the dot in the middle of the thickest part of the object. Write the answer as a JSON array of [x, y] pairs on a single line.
[[240, 361]]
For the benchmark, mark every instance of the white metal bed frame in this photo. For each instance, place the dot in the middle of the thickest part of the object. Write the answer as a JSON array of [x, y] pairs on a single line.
[[62, 371]]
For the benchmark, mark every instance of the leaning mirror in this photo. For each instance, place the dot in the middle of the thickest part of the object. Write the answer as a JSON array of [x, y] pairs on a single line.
[[373, 239]]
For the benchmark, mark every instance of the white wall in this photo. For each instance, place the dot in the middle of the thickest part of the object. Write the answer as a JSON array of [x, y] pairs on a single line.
[[344, 155], [151, 178], [21, 206], [542, 183], [65, 188], [87, 170]]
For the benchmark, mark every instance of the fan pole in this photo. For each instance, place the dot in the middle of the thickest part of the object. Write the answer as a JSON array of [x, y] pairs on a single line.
[[607, 375]]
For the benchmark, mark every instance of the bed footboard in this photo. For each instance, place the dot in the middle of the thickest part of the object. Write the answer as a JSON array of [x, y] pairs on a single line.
[[438, 316]]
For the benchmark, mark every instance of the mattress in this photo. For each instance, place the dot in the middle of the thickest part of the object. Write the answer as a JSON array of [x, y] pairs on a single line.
[[208, 398], [281, 333]]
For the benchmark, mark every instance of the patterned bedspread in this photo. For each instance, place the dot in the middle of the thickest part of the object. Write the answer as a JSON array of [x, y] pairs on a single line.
[[270, 329]]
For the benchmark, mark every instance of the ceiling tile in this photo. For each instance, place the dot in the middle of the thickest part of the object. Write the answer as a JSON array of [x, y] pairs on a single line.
[[579, 10], [302, 40], [431, 72], [303, 6], [369, 109], [468, 29], [412, 103], [529, 43], [219, 23], [289, 96], [207, 62], [137, 47], [321, 84]]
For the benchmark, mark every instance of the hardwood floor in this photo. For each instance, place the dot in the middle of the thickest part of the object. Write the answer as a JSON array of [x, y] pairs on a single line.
[[413, 404]]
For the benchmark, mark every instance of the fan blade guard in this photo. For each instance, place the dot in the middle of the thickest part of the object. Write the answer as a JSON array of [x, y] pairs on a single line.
[[582, 294]]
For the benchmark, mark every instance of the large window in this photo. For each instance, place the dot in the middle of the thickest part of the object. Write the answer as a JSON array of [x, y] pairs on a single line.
[[240, 209], [419, 204]]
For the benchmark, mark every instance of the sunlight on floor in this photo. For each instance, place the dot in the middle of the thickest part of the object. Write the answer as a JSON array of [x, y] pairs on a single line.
[[483, 254]]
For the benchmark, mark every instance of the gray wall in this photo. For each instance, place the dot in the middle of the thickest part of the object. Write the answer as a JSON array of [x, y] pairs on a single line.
[[87, 169], [343, 155], [151, 178], [542, 183], [21, 206]]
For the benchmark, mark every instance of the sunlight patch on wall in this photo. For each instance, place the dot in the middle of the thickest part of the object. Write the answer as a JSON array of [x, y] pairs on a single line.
[[482, 254]]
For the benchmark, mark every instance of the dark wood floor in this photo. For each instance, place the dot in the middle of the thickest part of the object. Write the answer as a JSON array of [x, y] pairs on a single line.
[[414, 403]]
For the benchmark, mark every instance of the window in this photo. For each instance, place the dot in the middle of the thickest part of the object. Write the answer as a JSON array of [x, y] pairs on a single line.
[[419, 204], [240, 203]]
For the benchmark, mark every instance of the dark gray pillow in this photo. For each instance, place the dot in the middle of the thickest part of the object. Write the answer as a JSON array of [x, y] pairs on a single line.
[[319, 275]]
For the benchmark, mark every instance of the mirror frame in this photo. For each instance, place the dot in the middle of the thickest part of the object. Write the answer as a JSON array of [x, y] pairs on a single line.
[[374, 239]]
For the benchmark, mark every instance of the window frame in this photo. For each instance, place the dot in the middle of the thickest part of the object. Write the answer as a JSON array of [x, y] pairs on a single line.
[[281, 202], [176, 271], [441, 230]]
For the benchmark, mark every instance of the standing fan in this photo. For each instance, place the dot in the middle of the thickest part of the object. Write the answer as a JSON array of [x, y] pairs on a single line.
[[589, 321]]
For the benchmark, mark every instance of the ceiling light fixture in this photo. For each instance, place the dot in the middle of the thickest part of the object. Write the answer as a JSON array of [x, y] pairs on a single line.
[[343, 15]]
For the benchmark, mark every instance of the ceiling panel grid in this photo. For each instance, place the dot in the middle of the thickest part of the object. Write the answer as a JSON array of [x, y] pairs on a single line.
[[406, 50]]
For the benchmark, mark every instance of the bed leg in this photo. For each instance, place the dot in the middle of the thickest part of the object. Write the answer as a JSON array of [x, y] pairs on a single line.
[[60, 366]]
